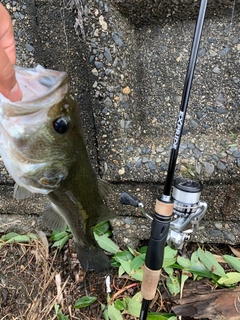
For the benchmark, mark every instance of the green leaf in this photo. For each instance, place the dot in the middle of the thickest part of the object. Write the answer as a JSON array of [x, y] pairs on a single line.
[[32, 236], [143, 249], [121, 271], [113, 313], [173, 284], [84, 302], [136, 253], [124, 255], [169, 270], [59, 314], [9, 236], [169, 256], [230, 279], [18, 238], [106, 244], [114, 263], [210, 262], [58, 235], [60, 243], [57, 308], [108, 233], [132, 251], [137, 274], [105, 311], [126, 265], [137, 262], [133, 307], [184, 277], [194, 259], [157, 316], [202, 272], [138, 296], [232, 261], [185, 263], [101, 228], [120, 304], [195, 262]]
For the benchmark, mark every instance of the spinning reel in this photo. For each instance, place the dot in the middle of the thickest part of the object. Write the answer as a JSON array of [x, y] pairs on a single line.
[[188, 210]]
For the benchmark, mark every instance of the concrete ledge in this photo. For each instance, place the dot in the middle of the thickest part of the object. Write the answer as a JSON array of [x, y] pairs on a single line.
[[220, 224]]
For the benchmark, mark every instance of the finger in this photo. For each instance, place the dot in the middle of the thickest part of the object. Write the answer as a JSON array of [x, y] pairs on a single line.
[[6, 35], [8, 83]]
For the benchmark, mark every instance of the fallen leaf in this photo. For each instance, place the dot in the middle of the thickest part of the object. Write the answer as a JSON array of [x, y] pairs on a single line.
[[235, 251], [219, 258], [44, 241], [59, 289]]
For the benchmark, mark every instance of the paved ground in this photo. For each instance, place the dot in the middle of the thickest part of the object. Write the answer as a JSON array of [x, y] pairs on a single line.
[[126, 67]]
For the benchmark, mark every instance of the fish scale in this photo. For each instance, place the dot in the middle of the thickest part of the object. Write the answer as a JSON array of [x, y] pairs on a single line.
[[42, 147]]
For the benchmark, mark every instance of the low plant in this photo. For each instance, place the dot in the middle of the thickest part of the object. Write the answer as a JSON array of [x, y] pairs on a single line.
[[16, 237], [176, 268]]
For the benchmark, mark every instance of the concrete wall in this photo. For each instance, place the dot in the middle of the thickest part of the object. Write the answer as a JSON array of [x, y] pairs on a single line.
[[127, 62]]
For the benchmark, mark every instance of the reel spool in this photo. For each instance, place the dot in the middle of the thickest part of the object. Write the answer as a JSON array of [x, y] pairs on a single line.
[[188, 211]]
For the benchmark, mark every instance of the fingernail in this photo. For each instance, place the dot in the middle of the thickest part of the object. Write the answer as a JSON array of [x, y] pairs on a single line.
[[15, 94]]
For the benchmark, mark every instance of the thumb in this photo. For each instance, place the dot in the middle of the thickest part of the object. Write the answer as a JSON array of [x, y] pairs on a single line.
[[8, 83]]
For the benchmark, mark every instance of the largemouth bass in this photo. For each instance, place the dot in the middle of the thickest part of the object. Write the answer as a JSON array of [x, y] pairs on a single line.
[[42, 147]]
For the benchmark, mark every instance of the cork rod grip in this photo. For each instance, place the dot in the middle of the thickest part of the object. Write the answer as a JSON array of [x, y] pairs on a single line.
[[155, 252], [149, 283], [163, 208]]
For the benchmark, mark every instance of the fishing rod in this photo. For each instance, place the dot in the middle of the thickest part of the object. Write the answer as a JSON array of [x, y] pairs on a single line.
[[184, 194], [164, 204]]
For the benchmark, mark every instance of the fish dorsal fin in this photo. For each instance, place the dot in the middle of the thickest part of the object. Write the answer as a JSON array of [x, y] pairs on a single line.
[[20, 192], [103, 188], [53, 219]]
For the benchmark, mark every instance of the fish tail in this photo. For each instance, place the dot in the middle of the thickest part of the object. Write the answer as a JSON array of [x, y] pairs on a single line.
[[92, 258]]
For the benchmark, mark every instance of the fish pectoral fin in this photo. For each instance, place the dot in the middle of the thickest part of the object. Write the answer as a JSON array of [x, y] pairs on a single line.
[[20, 192], [52, 218], [105, 214], [103, 188]]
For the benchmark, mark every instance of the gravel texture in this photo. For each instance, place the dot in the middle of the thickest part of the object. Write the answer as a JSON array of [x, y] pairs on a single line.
[[139, 91], [126, 67]]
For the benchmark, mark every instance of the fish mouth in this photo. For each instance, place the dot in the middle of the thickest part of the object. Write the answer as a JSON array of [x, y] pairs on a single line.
[[46, 88]]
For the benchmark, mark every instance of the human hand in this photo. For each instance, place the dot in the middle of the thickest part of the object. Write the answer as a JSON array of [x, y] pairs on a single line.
[[8, 83]]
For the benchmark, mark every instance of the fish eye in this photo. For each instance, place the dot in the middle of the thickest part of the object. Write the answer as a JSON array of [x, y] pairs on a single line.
[[61, 125]]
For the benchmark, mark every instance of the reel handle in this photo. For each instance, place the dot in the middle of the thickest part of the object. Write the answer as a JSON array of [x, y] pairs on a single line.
[[127, 199]]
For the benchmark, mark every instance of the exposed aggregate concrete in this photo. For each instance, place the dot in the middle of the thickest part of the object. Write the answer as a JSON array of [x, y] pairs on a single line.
[[126, 68]]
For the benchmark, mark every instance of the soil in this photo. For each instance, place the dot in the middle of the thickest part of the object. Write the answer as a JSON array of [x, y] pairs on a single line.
[[30, 288], [34, 278]]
